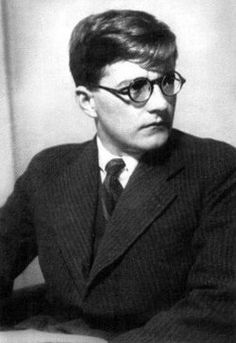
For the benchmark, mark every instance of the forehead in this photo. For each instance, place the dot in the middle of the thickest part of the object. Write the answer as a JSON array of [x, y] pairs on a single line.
[[122, 72]]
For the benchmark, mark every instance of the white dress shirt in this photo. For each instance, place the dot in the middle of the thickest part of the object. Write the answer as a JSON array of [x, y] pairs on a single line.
[[104, 156]]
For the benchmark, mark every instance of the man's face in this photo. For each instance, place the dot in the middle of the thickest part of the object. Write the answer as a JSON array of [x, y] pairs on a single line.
[[126, 127]]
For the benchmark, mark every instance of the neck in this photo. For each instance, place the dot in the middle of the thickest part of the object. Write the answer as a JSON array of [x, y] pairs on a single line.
[[116, 152]]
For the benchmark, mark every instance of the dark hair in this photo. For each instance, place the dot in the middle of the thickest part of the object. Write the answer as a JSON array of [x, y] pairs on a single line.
[[115, 35]]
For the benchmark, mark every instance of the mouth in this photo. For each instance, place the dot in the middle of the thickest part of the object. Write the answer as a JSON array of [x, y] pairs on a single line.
[[157, 125]]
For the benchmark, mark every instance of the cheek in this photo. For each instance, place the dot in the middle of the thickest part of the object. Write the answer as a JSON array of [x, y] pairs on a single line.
[[108, 108], [121, 125], [116, 115]]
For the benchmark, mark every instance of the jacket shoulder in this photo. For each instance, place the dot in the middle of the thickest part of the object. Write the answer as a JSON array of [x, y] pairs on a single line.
[[52, 161], [205, 154]]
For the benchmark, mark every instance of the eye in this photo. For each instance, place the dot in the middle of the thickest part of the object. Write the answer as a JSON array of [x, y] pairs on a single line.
[[170, 84], [140, 89], [139, 86], [169, 80]]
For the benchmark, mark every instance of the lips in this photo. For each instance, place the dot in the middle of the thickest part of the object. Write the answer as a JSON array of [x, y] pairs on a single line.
[[160, 124]]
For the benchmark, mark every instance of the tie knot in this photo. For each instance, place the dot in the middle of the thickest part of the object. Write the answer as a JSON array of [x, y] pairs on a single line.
[[115, 166]]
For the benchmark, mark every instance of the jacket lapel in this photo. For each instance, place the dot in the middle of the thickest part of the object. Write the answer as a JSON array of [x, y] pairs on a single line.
[[146, 196], [77, 190]]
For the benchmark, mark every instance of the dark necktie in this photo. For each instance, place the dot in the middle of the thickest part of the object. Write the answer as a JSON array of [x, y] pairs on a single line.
[[111, 185]]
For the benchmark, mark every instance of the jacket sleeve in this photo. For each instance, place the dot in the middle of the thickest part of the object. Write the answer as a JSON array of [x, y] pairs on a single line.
[[17, 237], [207, 313]]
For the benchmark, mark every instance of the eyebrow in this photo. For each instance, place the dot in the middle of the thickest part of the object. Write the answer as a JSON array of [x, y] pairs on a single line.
[[125, 83]]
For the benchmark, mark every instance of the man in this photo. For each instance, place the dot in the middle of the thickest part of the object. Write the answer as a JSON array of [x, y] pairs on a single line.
[[135, 229]]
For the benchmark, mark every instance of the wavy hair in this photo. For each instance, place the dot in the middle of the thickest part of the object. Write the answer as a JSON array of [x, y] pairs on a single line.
[[116, 35]]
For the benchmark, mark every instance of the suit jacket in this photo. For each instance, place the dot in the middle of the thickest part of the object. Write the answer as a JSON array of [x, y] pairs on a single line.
[[165, 268]]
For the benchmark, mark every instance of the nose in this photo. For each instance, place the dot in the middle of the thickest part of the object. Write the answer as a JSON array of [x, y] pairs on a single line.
[[157, 101]]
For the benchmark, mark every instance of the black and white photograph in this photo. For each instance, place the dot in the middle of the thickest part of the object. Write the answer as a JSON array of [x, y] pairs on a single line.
[[118, 171]]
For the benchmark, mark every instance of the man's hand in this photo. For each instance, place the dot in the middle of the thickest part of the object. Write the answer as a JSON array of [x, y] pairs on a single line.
[[35, 336]]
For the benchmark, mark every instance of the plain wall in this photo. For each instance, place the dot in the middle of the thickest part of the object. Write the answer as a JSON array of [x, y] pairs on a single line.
[[6, 146], [39, 107]]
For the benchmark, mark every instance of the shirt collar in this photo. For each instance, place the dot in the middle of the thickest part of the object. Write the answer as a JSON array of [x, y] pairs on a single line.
[[104, 156]]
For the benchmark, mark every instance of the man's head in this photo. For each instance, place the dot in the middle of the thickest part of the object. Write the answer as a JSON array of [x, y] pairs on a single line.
[[118, 35], [107, 52]]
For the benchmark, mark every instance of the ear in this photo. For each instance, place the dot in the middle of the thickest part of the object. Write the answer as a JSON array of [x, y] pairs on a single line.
[[85, 99]]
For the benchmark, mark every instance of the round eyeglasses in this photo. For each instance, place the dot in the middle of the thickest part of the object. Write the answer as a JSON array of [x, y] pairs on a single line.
[[141, 89]]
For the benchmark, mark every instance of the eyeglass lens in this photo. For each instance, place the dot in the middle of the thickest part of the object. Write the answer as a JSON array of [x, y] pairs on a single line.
[[141, 89], [171, 84]]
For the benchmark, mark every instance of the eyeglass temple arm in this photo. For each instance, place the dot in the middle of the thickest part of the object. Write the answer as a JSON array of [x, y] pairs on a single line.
[[113, 90]]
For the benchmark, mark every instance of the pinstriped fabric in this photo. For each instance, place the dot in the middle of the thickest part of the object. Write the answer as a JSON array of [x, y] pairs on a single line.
[[165, 269], [80, 214]]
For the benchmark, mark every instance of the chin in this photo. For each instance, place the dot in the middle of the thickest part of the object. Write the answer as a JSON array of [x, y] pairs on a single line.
[[148, 146], [158, 141], [147, 143]]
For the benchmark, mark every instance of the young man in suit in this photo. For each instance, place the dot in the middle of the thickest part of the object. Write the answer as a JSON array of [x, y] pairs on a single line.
[[135, 229]]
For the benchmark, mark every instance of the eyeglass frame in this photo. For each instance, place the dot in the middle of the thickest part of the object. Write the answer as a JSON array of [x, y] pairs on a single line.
[[158, 81]]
